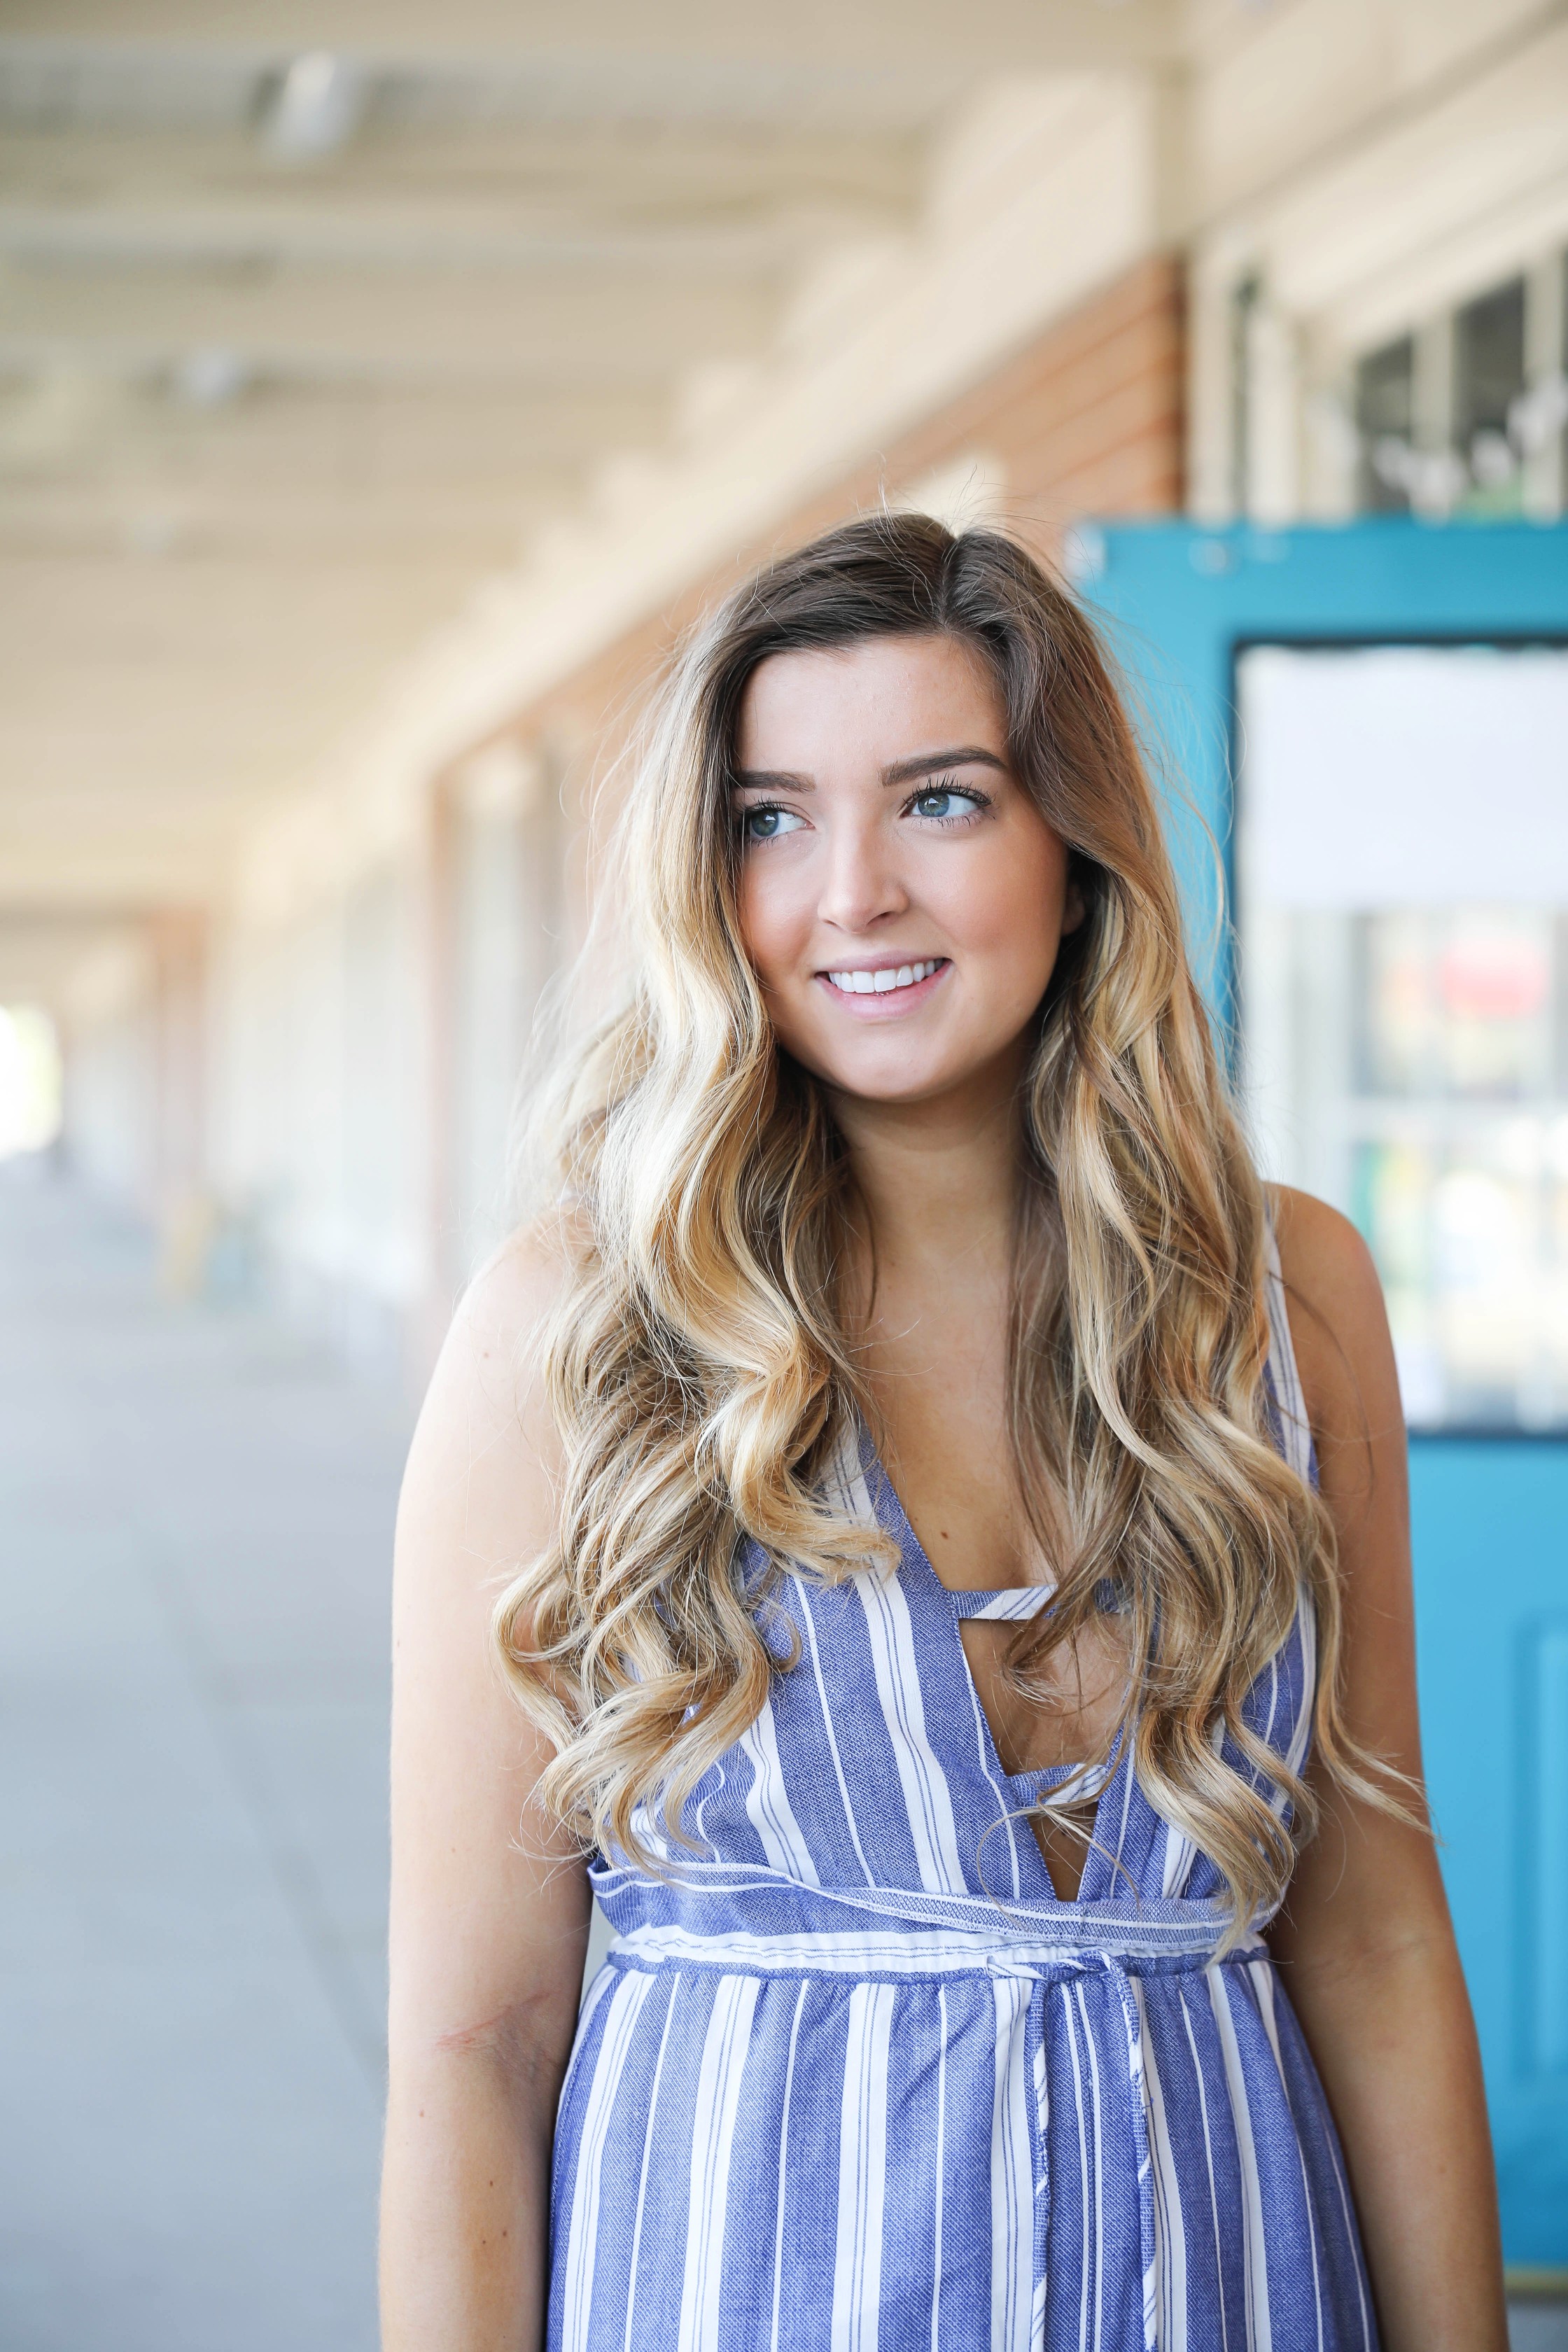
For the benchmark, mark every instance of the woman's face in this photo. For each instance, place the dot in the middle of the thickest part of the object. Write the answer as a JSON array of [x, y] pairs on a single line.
[[902, 900]]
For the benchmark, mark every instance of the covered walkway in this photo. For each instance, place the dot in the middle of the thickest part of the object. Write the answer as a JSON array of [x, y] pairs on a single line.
[[195, 1516]]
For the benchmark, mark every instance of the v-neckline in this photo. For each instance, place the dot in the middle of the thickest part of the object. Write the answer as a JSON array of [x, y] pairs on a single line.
[[1025, 1784]]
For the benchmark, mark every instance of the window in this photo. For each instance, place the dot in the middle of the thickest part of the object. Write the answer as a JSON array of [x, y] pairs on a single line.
[[1449, 418], [1402, 903], [1489, 377], [1386, 423]]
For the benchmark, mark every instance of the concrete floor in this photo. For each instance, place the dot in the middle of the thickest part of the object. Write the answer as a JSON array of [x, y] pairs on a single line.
[[195, 1520], [195, 1515]]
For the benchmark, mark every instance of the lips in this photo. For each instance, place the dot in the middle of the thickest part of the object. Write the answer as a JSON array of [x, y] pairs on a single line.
[[869, 995]]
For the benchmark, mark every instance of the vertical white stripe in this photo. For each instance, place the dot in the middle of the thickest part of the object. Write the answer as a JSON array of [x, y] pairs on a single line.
[[926, 1799], [647, 2155], [1012, 2176], [605, 1979], [1083, 2169], [582, 2233], [784, 2164], [1296, 1431], [941, 2163], [1042, 2194], [810, 1624], [862, 2172], [1255, 2257], [1093, 2057], [768, 1806], [1262, 1975], [724, 2048], [1209, 2158], [1121, 1876], [1170, 2223], [1179, 1853]]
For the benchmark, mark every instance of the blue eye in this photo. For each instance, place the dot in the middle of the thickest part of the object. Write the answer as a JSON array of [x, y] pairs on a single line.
[[946, 804], [768, 823]]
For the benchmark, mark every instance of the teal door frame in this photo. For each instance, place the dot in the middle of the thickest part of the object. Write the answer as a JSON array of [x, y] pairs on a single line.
[[1490, 1515]]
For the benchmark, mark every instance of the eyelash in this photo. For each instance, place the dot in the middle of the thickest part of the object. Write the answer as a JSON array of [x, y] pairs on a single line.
[[935, 784], [750, 840]]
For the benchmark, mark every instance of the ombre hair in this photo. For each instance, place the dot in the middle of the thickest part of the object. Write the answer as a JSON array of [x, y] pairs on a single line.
[[702, 1368]]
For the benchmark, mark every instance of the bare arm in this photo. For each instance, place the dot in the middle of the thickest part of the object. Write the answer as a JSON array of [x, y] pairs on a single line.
[[1366, 1942], [488, 1931]]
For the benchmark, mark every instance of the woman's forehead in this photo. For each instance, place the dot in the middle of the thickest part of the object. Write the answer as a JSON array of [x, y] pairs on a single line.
[[880, 698]]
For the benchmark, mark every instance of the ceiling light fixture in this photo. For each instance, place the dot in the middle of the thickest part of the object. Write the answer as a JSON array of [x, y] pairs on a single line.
[[210, 376], [317, 107]]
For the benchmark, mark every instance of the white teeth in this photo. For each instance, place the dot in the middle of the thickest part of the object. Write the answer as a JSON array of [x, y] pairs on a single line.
[[882, 983]]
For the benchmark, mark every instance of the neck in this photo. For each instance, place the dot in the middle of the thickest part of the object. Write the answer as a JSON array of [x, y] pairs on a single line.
[[939, 1179]]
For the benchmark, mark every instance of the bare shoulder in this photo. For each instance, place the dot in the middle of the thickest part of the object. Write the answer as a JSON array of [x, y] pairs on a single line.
[[1339, 1326], [1322, 1254], [494, 1343], [486, 1452]]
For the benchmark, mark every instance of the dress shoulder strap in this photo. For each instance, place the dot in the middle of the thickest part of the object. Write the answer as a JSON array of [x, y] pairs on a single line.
[[1009, 1604], [1292, 1430]]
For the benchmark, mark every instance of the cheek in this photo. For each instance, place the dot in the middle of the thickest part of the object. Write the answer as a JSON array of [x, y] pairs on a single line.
[[770, 920], [1011, 904]]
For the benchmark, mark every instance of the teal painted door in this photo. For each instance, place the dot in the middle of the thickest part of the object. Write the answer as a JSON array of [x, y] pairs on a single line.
[[1188, 610]]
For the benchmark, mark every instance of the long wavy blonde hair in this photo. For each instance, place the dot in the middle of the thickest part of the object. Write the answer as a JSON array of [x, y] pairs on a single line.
[[702, 1367]]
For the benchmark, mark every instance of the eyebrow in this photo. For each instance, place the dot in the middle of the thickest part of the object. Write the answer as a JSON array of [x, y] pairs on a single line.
[[901, 772], [928, 763]]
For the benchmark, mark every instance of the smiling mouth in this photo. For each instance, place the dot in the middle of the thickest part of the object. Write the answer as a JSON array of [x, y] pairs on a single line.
[[885, 980]]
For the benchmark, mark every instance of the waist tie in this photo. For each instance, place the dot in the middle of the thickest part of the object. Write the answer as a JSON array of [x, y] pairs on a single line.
[[747, 1921], [1114, 1970]]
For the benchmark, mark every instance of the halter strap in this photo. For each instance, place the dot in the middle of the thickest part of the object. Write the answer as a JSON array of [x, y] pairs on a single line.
[[1009, 1604]]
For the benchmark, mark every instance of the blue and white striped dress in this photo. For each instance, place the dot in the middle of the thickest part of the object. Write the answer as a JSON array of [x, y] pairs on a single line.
[[853, 2081]]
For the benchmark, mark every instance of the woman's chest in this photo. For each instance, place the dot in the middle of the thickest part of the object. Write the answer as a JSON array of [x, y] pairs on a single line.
[[948, 1455], [940, 1388]]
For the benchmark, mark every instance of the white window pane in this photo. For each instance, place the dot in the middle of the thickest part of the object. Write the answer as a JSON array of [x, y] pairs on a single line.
[[1406, 776], [1405, 1018]]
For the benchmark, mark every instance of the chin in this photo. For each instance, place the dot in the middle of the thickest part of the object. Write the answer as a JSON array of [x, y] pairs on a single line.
[[884, 1082]]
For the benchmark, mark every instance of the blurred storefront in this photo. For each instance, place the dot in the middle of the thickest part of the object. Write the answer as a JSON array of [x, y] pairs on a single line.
[[377, 400]]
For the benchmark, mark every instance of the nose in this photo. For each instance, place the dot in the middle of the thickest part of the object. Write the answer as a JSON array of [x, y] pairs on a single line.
[[861, 883]]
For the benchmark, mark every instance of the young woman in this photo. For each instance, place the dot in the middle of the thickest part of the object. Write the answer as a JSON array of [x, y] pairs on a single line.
[[963, 1627]]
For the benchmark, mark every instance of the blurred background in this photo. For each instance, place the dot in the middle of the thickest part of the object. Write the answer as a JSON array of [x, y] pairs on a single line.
[[381, 386]]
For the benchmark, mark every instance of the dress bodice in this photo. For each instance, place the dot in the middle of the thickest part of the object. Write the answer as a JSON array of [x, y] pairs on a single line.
[[872, 1762]]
